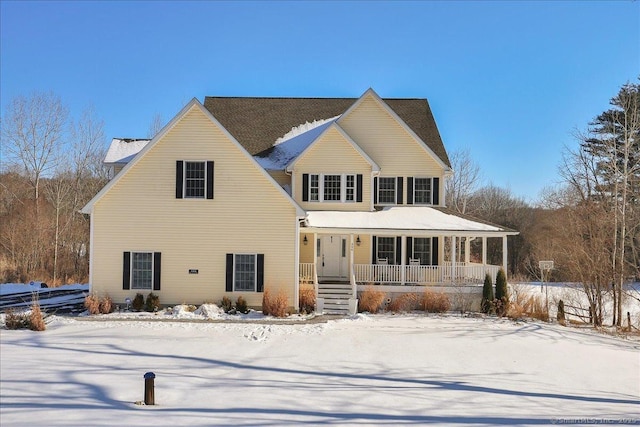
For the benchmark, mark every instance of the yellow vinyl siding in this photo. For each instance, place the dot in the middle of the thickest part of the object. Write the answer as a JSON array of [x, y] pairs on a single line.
[[247, 215], [389, 144], [281, 177], [306, 251], [333, 155]]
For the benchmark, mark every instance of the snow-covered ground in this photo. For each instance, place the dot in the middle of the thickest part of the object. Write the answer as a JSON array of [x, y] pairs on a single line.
[[216, 369], [365, 370]]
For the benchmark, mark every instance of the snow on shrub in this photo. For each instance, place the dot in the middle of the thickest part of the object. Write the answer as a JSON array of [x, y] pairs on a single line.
[[210, 311]]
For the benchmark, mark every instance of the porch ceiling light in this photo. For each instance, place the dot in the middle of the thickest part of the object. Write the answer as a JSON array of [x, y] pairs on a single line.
[[358, 241]]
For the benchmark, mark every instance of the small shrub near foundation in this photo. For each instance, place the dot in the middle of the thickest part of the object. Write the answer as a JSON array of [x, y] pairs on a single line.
[[371, 300], [274, 305], [226, 304], [106, 304], [307, 300], [403, 303], [138, 302], [92, 304], [152, 303], [435, 302], [241, 305]]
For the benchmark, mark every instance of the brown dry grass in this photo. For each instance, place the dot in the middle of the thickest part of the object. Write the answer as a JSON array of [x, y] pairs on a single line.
[[435, 302], [274, 305], [525, 305], [404, 303], [371, 300], [36, 320], [106, 304], [307, 299]]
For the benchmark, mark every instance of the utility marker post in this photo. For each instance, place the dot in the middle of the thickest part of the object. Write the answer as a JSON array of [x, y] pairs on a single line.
[[548, 266]]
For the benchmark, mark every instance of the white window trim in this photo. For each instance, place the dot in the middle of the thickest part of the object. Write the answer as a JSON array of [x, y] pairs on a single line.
[[131, 286], [395, 191], [343, 188], [255, 272], [430, 178], [184, 180]]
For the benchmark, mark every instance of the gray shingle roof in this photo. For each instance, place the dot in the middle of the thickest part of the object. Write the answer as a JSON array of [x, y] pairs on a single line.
[[257, 122]]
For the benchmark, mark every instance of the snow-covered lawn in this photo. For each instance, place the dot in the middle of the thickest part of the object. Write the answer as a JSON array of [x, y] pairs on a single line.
[[365, 370]]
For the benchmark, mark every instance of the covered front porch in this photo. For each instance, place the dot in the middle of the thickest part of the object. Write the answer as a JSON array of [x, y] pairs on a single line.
[[397, 246]]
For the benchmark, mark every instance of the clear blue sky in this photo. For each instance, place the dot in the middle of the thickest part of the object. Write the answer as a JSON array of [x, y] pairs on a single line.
[[509, 80]]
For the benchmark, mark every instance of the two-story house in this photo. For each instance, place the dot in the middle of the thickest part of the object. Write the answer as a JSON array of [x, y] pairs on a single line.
[[240, 194]]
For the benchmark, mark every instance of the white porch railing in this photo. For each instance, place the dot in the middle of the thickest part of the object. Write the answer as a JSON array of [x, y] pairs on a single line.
[[307, 272], [423, 274]]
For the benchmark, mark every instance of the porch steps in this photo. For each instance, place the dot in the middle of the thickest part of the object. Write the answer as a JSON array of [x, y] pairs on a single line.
[[336, 297]]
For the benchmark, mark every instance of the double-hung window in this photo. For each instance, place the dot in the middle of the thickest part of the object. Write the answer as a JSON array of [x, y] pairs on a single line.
[[422, 249], [350, 188], [422, 191], [387, 190], [194, 179], [314, 188], [387, 249], [245, 273], [141, 270]]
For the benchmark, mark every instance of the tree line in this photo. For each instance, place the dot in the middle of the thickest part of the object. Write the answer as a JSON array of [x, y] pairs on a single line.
[[589, 224]]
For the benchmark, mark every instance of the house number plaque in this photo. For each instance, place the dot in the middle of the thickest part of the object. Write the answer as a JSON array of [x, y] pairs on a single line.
[[193, 271]]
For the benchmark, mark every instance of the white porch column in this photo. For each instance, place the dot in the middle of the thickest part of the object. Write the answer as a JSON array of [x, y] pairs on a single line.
[[351, 256], [504, 254], [484, 250], [403, 257], [467, 250], [453, 258]]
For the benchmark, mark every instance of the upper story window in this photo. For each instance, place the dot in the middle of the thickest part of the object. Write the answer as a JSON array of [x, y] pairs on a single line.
[[422, 191], [194, 180], [386, 190], [332, 188], [339, 188]]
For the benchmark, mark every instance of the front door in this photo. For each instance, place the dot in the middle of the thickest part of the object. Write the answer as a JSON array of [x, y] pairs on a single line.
[[332, 256]]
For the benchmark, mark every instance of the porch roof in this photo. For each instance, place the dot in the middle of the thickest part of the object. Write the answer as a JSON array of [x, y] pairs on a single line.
[[417, 219]]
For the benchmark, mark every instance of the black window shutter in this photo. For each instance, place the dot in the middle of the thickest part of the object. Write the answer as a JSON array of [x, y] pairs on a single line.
[[305, 187], [126, 271], [399, 191], [375, 190], [410, 190], [409, 248], [359, 188], [436, 192], [209, 179], [157, 269], [260, 273], [398, 250], [374, 250], [229, 287], [434, 251], [179, 178]]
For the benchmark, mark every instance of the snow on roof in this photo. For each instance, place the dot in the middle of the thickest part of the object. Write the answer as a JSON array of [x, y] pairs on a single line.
[[397, 218], [292, 144], [122, 150]]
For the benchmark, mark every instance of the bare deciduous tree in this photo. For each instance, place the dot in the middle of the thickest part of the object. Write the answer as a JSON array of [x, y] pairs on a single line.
[[464, 182]]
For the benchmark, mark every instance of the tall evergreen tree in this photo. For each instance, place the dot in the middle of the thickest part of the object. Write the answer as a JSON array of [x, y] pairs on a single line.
[[487, 295]]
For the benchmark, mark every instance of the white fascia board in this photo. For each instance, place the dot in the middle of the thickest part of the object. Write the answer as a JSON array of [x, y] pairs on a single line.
[[407, 232], [290, 167], [397, 118]]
